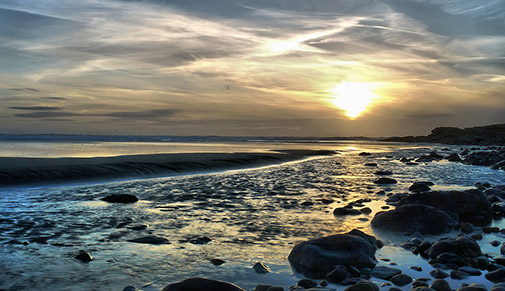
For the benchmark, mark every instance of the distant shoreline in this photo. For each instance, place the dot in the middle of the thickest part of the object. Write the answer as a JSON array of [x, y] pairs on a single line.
[[47, 171]]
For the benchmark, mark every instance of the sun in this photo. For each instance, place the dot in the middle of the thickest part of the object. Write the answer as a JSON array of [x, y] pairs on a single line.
[[352, 97]]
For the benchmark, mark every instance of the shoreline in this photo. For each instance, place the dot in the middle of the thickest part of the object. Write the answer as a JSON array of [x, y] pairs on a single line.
[[46, 171]]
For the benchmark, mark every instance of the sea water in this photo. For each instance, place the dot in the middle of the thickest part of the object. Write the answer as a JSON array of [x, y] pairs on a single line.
[[251, 215]]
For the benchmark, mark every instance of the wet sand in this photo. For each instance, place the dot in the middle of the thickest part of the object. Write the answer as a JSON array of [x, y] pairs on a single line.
[[43, 171]]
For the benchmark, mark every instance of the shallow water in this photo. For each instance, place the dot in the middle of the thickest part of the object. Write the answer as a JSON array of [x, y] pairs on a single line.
[[250, 215]]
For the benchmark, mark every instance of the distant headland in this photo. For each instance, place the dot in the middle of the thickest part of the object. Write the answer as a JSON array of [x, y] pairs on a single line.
[[479, 135]]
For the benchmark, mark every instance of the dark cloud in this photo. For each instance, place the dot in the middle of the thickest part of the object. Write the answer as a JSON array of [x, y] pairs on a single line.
[[47, 114], [55, 98], [144, 115], [429, 115], [24, 89], [36, 108]]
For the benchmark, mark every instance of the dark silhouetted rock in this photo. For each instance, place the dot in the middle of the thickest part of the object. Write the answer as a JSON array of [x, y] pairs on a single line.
[[385, 181], [153, 240], [471, 205], [459, 275], [363, 286], [438, 274], [441, 285], [364, 154], [401, 279], [454, 157], [385, 273], [317, 258], [261, 268], [473, 287], [131, 288], [345, 211], [419, 187], [217, 262], [414, 218], [306, 283], [463, 247], [338, 274], [371, 165], [496, 276], [383, 173], [201, 284], [466, 227], [471, 271], [120, 198], [84, 257], [199, 240]]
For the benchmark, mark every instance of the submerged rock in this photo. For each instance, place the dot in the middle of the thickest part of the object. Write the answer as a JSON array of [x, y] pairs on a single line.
[[120, 198], [414, 218], [153, 240], [345, 211], [383, 181], [419, 187], [317, 258], [84, 257], [217, 262], [261, 268], [401, 279], [202, 284], [385, 273]]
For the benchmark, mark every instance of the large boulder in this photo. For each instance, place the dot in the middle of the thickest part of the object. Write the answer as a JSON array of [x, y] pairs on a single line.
[[470, 205], [317, 258], [202, 284], [414, 218], [461, 250]]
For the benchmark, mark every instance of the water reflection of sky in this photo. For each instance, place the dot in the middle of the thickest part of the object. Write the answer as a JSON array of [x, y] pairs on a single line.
[[251, 215]]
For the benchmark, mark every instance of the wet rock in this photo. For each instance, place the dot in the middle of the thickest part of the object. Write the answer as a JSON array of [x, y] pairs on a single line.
[[383, 173], [306, 283], [471, 271], [459, 275], [454, 157], [217, 262], [438, 274], [384, 273], [371, 165], [502, 249], [307, 203], [466, 227], [419, 283], [364, 154], [463, 247], [385, 181], [261, 268], [139, 227], [153, 240], [327, 200], [199, 240], [490, 229], [84, 257], [262, 287], [202, 284], [120, 198], [416, 268], [476, 236], [441, 285], [414, 218], [395, 198], [363, 286], [345, 211], [473, 287], [316, 258], [401, 279], [324, 283], [419, 187], [495, 243], [496, 276], [471, 205], [499, 287], [131, 288], [338, 274], [366, 210]]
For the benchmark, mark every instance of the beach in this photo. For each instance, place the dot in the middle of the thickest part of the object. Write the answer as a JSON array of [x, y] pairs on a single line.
[[238, 208]]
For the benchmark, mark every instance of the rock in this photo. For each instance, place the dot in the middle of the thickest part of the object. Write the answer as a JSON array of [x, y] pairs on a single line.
[[364, 154], [471, 271], [414, 218], [499, 287], [366, 210], [496, 276], [502, 249], [345, 211], [306, 283], [438, 274], [419, 283], [476, 236], [441, 285], [201, 284], [419, 187], [153, 240], [474, 287], [139, 227], [327, 200], [495, 243], [371, 165], [199, 240], [84, 257], [490, 229], [459, 275], [324, 283], [383, 173], [466, 227], [262, 287], [416, 268], [120, 198], [384, 273], [130, 288], [261, 268], [454, 157], [395, 198], [363, 286], [470, 205], [383, 181], [401, 279], [463, 247], [217, 262], [338, 274], [318, 257]]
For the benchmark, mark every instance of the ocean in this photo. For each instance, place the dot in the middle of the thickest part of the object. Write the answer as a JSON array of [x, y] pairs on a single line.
[[249, 215]]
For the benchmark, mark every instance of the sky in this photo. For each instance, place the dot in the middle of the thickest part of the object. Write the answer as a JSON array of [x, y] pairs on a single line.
[[250, 67]]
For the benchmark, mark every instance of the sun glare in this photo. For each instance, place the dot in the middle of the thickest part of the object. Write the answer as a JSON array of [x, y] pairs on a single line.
[[353, 98]]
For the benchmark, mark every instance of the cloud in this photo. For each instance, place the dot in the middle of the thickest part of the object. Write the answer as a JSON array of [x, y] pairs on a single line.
[[36, 108]]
